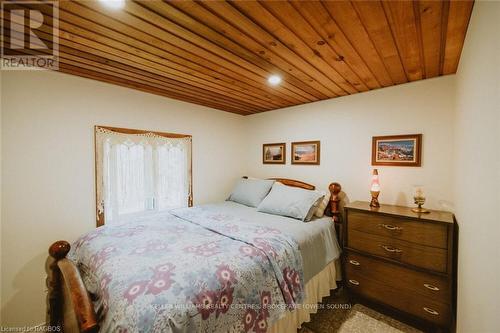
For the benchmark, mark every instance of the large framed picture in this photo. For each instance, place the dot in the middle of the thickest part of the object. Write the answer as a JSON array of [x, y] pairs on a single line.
[[306, 152], [274, 153], [397, 150]]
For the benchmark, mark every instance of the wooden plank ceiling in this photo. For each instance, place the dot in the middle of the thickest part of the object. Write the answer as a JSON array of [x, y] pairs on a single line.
[[220, 53]]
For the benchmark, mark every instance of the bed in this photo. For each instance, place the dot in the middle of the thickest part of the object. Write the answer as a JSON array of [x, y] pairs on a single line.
[[213, 268]]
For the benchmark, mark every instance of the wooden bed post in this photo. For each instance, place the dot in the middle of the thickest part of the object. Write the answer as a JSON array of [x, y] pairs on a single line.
[[67, 296], [335, 189], [57, 251]]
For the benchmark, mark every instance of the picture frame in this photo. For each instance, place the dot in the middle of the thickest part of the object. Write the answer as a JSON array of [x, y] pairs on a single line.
[[397, 150], [306, 152], [274, 153]]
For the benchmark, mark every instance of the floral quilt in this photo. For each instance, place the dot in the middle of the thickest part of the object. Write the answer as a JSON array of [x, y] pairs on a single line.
[[194, 270]]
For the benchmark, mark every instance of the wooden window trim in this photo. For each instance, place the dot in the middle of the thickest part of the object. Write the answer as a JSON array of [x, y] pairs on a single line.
[[100, 216], [138, 131]]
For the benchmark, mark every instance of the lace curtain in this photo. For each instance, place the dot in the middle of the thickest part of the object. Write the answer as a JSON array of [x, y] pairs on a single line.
[[140, 173]]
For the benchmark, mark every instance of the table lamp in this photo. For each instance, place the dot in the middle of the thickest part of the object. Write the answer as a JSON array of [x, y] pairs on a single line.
[[375, 189]]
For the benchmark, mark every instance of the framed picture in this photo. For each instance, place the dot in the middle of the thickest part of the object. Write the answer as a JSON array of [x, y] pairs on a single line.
[[274, 153], [397, 150], [306, 152]]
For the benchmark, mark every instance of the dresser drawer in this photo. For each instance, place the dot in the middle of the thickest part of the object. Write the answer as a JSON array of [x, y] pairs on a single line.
[[426, 285], [413, 254], [420, 306], [431, 234]]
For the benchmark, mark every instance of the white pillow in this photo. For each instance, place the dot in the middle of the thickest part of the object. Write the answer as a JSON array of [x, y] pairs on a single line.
[[290, 201], [313, 209], [250, 192], [320, 210]]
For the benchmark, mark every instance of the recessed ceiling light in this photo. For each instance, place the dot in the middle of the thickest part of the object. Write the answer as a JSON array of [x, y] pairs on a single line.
[[274, 80], [115, 4]]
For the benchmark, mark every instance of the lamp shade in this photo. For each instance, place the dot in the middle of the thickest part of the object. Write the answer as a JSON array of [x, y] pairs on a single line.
[[375, 186]]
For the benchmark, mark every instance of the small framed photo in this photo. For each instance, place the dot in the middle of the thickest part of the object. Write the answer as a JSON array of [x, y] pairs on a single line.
[[397, 150], [274, 153], [306, 152]]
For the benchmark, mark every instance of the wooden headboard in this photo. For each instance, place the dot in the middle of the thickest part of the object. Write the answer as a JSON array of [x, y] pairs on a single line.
[[294, 183]]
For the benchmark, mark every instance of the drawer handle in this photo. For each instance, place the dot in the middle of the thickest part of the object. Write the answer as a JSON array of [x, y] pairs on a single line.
[[354, 262], [431, 311], [431, 287], [354, 282], [391, 249], [390, 227]]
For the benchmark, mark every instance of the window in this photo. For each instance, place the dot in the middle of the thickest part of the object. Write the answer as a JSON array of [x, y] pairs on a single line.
[[140, 172]]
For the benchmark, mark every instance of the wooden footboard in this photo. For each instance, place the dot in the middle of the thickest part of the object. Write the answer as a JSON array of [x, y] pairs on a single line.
[[69, 304]]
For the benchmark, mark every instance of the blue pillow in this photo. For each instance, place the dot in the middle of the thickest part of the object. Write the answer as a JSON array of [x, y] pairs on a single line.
[[250, 192], [290, 201]]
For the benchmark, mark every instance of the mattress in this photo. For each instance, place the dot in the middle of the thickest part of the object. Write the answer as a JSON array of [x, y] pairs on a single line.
[[317, 239]]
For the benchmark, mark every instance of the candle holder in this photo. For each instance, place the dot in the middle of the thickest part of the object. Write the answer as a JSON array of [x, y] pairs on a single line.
[[419, 200]]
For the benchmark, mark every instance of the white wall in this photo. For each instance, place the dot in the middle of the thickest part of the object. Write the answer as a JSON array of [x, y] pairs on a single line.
[[47, 160], [345, 127], [477, 172], [48, 167]]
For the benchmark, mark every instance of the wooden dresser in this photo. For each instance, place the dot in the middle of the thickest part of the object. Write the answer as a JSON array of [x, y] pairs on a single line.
[[402, 260]]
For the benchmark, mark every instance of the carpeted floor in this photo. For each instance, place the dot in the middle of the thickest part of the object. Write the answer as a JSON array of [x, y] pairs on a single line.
[[338, 315]]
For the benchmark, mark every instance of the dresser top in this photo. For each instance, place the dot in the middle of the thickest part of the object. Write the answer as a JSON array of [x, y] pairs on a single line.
[[434, 215]]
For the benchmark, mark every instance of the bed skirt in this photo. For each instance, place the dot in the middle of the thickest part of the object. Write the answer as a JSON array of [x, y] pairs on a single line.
[[318, 287]]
